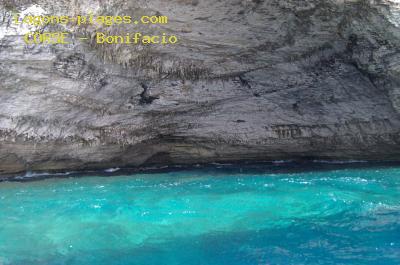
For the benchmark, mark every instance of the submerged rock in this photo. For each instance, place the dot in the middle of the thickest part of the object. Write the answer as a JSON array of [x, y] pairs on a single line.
[[248, 80]]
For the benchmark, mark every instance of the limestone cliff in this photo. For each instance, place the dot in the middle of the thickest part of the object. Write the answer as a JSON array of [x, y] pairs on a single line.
[[248, 80]]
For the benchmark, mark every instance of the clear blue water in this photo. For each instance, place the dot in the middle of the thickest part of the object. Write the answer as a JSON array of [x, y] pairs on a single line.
[[347, 216]]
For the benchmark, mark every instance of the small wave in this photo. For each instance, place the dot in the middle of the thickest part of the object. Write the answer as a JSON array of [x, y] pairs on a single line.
[[282, 162], [339, 161], [112, 170], [221, 164], [30, 174]]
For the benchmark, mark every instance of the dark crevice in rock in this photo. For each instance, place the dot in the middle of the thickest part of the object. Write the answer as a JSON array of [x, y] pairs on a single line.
[[244, 81], [145, 97]]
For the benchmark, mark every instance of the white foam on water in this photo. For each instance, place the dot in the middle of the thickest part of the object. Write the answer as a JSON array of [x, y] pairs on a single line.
[[111, 170]]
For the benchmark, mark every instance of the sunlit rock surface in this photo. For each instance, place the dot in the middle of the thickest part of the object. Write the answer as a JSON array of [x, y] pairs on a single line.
[[248, 80]]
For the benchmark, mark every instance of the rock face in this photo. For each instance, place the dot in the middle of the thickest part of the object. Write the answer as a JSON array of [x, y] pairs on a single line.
[[248, 80]]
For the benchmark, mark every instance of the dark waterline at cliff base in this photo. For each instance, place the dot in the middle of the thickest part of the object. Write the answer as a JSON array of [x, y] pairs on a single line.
[[208, 215], [248, 167]]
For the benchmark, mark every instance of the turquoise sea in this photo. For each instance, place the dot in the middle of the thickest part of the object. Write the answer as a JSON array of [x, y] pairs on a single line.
[[205, 216]]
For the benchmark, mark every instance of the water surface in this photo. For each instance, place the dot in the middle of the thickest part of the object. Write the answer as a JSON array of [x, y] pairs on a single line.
[[204, 217]]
